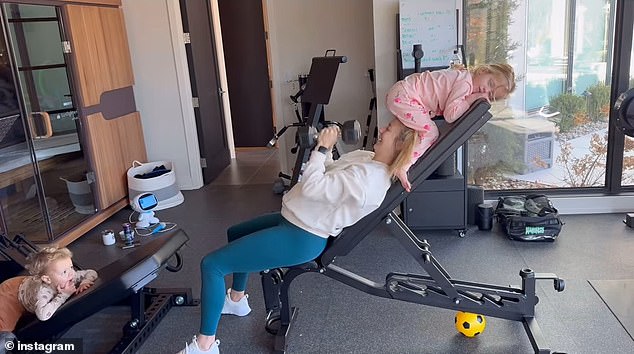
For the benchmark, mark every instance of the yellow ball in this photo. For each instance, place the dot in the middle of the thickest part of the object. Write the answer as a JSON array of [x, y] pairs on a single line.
[[469, 324]]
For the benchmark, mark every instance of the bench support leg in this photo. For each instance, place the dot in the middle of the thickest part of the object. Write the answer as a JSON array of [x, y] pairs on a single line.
[[148, 307]]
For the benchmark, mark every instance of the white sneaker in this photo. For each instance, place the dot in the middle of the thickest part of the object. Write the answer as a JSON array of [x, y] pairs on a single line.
[[240, 308], [192, 348]]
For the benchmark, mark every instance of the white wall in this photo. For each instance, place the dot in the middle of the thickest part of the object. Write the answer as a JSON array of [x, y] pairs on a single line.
[[162, 89], [384, 52], [302, 29]]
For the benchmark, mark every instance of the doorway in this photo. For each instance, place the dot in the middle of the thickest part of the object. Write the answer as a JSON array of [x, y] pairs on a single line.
[[244, 44]]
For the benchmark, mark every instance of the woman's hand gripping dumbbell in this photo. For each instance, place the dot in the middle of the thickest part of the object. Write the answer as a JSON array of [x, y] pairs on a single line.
[[349, 132], [328, 137]]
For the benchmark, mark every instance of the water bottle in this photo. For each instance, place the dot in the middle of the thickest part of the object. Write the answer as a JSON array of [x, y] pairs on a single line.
[[128, 234], [455, 59]]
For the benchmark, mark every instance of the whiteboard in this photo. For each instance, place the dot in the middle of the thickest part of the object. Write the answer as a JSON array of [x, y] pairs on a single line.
[[431, 23]]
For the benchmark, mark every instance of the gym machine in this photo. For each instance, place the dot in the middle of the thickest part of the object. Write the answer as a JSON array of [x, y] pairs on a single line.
[[436, 288], [314, 96], [624, 107]]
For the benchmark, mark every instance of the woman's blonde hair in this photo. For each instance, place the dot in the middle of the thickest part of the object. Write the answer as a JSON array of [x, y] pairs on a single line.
[[504, 71], [39, 261], [408, 139]]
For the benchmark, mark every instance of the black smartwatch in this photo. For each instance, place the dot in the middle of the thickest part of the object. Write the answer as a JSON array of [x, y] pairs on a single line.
[[322, 149]]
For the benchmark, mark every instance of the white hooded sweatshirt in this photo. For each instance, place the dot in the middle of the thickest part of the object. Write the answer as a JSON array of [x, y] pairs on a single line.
[[335, 194]]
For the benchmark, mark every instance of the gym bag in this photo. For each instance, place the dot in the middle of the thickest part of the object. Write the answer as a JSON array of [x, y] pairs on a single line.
[[528, 218]]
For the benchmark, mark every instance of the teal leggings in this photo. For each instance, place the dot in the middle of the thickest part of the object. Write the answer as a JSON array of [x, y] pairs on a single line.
[[266, 242]]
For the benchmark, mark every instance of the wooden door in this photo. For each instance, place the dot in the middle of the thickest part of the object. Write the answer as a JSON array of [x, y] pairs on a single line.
[[244, 43], [104, 79], [203, 72]]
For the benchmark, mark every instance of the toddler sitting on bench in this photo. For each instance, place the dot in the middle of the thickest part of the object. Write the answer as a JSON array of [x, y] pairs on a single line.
[[53, 280]]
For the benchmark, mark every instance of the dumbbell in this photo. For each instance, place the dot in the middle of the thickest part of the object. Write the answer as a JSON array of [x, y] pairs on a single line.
[[350, 133]]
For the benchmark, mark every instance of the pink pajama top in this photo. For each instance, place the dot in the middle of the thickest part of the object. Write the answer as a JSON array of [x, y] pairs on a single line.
[[443, 92], [419, 97]]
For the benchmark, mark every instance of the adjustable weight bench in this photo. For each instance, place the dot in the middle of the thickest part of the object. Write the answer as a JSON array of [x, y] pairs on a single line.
[[435, 289], [122, 280]]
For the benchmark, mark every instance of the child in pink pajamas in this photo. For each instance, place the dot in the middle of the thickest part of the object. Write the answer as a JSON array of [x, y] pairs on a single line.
[[420, 97]]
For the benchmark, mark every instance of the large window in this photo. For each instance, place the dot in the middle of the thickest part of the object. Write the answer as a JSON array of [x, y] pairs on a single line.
[[552, 132]]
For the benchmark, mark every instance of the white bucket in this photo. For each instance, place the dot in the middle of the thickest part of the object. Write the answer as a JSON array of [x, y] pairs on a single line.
[[163, 187]]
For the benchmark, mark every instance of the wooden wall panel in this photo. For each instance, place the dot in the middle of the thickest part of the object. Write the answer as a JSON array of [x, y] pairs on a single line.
[[100, 47], [119, 61], [114, 144]]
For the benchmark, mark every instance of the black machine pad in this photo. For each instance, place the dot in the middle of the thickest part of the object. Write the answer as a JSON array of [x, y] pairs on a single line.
[[624, 107]]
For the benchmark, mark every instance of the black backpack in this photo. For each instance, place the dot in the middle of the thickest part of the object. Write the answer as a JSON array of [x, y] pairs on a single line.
[[528, 218]]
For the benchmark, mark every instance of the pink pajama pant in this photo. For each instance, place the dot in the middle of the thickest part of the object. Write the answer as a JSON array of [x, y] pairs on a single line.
[[413, 114]]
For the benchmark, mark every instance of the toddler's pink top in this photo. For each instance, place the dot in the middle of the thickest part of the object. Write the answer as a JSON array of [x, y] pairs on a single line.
[[441, 91]]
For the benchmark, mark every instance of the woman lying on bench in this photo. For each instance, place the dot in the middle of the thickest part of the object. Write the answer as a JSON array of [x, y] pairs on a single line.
[[330, 196]]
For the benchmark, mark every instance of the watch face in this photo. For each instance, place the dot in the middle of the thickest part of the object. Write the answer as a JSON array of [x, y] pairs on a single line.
[[147, 201]]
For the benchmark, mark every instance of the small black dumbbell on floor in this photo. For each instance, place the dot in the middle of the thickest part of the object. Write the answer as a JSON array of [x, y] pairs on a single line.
[[350, 133]]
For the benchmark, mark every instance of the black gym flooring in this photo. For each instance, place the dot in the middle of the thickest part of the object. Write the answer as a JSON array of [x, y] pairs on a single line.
[[334, 318]]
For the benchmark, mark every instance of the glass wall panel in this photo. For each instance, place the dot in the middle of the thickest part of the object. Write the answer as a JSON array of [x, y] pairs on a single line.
[[45, 190], [52, 89], [40, 40], [552, 131]]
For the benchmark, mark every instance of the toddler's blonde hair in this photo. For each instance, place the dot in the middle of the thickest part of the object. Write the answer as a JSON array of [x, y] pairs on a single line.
[[39, 261]]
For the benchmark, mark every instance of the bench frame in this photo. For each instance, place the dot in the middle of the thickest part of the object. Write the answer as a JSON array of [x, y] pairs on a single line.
[[436, 288]]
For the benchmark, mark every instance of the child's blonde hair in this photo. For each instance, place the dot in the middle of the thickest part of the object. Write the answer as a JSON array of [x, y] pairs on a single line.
[[39, 261], [408, 138], [502, 70]]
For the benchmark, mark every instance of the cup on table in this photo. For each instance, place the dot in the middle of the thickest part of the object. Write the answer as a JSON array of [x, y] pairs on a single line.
[[107, 236]]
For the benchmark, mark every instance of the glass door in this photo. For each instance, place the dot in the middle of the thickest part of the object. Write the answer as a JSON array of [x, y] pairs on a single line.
[[56, 192], [16, 169]]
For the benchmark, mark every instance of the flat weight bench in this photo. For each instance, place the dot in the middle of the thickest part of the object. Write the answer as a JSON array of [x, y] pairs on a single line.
[[124, 279], [435, 289]]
